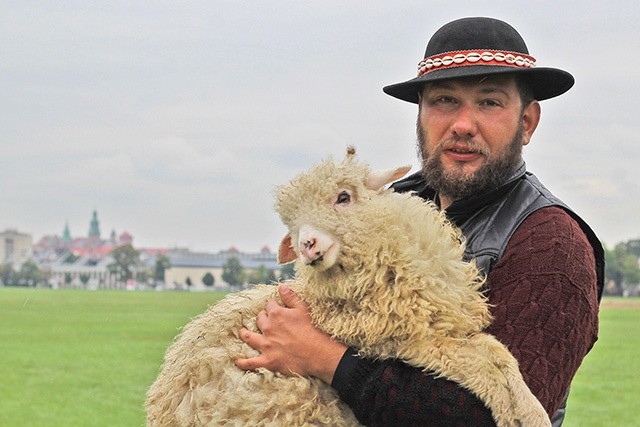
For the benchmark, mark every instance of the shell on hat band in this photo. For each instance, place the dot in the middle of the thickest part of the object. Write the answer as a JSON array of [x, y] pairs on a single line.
[[464, 58]]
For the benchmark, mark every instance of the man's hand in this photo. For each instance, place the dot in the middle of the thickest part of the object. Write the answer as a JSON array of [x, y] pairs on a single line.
[[290, 343]]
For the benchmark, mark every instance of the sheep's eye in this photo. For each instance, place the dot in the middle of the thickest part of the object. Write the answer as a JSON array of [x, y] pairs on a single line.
[[343, 198]]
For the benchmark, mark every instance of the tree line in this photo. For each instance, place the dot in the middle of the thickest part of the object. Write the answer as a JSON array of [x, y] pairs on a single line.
[[622, 271], [29, 274], [127, 265]]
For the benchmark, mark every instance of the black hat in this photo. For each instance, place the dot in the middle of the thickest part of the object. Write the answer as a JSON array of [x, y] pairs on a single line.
[[479, 47]]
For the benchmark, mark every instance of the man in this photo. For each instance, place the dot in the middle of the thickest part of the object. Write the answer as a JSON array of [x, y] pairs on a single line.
[[477, 92]]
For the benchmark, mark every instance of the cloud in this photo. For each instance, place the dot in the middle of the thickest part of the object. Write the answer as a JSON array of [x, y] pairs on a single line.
[[176, 120], [596, 188]]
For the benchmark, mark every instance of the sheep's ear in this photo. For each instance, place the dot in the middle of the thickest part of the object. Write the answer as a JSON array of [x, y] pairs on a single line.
[[378, 179], [286, 254]]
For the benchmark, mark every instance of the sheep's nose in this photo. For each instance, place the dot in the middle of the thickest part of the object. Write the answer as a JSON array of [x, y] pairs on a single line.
[[309, 243], [309, 249]]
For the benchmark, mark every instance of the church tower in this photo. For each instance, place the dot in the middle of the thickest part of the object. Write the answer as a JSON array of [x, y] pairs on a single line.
[[66, 235], [94, 230]]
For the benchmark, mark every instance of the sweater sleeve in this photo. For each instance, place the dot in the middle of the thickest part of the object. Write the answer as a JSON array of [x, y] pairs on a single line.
[[544, 300], [392, 393]]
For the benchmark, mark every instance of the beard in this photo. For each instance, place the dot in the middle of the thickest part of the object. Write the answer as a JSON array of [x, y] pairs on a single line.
[[457, 185]]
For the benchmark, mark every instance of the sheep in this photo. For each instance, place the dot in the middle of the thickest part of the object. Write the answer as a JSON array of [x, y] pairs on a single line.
[[382, 272]]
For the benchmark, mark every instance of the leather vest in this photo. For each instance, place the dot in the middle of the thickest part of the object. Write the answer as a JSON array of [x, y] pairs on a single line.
[[489, 220]]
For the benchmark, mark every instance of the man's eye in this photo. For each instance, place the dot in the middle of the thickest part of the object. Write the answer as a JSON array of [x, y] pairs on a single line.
[[442, 100], [490, 103]]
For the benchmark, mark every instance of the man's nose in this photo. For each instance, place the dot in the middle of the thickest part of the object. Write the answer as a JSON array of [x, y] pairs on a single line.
[[464, 121]]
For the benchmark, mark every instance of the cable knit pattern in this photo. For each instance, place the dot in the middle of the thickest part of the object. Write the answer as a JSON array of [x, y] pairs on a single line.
[[545, 302], [545, 309], [391, 393]]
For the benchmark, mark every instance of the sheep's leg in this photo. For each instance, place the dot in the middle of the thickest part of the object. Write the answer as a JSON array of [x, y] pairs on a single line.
[[486, 367]]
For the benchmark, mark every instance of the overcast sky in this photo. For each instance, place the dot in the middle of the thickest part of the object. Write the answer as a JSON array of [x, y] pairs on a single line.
[[176, 120]]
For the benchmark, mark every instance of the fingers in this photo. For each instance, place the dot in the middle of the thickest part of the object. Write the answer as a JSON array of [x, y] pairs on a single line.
[[261, 321], [279, 327], [274, 313], [289, 298], [253, 339], [251, 364], [256, 341], [271, 307]]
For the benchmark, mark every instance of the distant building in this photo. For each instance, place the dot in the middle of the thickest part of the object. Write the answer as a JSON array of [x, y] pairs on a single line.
[[70, 271], [194, 265], [15, 247], [69, 260], [83, 261], [92, 246], [93, 237]]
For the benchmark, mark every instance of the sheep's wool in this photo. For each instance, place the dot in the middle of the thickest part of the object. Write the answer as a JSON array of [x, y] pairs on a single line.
[[398, 289]]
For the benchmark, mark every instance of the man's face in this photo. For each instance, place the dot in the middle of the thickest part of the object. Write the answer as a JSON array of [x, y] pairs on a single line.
[[471, 133]]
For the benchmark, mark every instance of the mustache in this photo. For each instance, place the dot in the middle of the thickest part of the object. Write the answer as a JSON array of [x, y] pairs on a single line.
[[461, 143], [464, 142]]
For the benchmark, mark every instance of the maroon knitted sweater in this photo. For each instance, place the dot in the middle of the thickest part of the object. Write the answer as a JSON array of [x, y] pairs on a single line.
[[545, 306]]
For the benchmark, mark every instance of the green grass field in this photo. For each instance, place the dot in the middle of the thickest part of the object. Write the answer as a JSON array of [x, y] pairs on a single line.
[[82, 358], [606, 388]]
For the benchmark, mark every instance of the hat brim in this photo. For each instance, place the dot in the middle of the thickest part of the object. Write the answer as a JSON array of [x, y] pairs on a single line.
[[545, 82]]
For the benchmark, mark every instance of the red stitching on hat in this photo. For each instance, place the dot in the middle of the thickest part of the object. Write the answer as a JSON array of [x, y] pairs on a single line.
[[465, 58]]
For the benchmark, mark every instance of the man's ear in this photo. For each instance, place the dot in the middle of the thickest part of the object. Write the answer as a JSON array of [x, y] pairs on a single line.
[[530, 120]]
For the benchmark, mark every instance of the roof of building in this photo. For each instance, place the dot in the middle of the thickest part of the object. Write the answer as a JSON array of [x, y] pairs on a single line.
[[182, 258]]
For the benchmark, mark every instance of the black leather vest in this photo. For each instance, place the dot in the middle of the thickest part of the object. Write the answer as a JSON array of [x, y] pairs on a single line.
[[489, 220]]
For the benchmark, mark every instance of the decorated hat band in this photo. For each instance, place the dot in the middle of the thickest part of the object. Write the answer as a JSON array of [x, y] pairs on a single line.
[[472, 57]]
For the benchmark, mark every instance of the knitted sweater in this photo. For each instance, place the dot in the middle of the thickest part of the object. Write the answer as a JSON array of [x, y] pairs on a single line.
[[545, 307]]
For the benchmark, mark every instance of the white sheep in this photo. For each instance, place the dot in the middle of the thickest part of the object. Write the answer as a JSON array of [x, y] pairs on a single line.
[[381, 272]]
